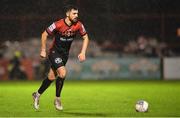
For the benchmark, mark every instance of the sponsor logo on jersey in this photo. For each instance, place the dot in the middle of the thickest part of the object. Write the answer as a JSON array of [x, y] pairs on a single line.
[[69, 39], [66, 39]]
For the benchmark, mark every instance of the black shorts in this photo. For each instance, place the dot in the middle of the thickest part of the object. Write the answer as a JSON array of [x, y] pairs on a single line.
[[57, 59]]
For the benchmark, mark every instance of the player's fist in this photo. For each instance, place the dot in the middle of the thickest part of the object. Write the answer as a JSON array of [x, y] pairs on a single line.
[[81, 57], [43, 53]]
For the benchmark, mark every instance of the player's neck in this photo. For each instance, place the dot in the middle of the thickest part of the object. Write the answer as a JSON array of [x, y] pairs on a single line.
[[68, 22]]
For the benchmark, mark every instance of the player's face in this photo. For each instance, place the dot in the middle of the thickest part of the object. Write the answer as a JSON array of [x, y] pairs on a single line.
[[73, 15]]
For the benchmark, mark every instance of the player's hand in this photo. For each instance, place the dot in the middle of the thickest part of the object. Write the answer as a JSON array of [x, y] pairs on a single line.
[[82, 57], [43, 53]]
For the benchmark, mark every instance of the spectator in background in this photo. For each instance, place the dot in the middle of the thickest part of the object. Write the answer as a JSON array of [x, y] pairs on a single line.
[[15, 71]]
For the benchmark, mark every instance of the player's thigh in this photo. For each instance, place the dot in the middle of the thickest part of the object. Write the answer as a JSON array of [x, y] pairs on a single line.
[[51, 74], [61, 71], [56, 60]]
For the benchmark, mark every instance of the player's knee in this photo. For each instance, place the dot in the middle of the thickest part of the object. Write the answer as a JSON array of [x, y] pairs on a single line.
[[62, 73], [51, 77]]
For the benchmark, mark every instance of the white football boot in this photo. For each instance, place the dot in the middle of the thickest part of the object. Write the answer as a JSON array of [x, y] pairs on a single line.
[[58, 105], [36, 100]]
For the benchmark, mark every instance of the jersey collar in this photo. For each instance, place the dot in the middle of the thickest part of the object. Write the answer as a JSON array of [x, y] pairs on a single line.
[[66, 23]]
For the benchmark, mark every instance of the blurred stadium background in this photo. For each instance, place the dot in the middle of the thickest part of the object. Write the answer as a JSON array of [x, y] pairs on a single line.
[[129, 39]]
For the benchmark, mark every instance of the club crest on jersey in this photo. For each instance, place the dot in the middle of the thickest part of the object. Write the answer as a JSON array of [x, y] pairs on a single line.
[[68, 33], [58, 60]]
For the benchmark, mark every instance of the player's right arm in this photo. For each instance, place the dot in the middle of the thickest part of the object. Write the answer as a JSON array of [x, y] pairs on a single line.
[[43, 44], [49, 31]]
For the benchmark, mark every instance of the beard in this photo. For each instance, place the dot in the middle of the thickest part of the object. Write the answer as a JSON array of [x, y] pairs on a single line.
[[74, 20]]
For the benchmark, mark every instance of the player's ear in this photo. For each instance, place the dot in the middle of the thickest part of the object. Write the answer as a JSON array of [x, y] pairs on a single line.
[[67, 13]]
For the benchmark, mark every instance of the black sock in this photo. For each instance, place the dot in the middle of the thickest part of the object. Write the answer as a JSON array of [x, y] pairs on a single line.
[[45, 84], [59, 86]]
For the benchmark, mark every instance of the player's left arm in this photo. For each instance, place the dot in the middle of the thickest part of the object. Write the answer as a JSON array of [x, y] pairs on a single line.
[[82, 54]]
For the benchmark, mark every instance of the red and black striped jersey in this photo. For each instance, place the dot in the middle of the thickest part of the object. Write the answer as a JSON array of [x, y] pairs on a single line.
[[64, 34]]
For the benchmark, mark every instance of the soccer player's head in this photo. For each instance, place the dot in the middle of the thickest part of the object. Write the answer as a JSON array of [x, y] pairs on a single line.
[[72, 13]]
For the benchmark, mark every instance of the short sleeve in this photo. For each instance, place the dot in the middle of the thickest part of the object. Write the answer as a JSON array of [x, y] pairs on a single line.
[[82, 30], [51, 29]]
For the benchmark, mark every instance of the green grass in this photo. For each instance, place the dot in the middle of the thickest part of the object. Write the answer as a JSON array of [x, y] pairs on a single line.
[[92, 98]]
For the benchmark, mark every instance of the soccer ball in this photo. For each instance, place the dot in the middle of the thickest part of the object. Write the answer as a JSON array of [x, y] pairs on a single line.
[[141, 106]]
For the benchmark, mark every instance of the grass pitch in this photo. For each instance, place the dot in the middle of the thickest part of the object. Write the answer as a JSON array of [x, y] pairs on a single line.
[[92, 99]]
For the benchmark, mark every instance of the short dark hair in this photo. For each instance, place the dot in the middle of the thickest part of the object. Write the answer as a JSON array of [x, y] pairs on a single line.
[[70, 7]]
